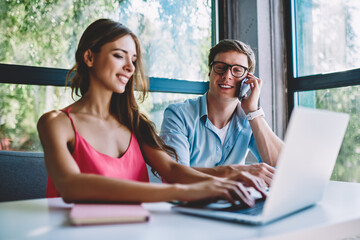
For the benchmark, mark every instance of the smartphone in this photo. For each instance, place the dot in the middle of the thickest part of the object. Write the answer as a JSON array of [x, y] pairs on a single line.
[[244, 89]]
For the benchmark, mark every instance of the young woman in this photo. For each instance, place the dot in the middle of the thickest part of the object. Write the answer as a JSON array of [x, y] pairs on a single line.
[[96, 148]]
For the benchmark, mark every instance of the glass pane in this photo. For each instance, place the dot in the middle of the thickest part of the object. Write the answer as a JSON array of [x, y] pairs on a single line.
[[20, 108], [175, 35], [22, 105], [345, 99], [327, 36], [156, 103]]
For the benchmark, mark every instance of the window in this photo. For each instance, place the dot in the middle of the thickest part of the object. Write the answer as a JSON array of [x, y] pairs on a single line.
[[40, 37], [324, 69], [327, 36]]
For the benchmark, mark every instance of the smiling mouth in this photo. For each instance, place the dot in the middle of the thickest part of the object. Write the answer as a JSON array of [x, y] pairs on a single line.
[[123, 79], [225, 86]]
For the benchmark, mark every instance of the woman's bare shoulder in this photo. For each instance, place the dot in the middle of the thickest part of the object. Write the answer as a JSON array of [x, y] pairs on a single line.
[[53, 120], [52, 116]]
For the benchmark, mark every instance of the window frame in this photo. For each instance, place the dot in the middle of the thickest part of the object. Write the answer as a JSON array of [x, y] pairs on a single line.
[[30, 75]]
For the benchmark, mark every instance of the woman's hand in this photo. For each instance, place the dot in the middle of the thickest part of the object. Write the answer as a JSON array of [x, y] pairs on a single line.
[[218, 188]]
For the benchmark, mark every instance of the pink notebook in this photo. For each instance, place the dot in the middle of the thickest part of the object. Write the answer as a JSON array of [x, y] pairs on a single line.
[[82, 213]]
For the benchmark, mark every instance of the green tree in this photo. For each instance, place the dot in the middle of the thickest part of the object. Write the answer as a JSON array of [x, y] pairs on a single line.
[[46, 32], [346, 100]]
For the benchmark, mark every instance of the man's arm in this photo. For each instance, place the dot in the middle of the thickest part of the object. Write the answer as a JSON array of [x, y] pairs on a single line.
[[269, 145]]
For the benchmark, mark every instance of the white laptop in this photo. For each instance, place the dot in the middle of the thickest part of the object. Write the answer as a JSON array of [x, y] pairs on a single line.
[[305, 164]]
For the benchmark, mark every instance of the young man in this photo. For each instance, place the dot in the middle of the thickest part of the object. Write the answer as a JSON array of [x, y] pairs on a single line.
[[213, 133]]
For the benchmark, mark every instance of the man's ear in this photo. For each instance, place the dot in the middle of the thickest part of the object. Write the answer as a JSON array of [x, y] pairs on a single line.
[[89, 58]]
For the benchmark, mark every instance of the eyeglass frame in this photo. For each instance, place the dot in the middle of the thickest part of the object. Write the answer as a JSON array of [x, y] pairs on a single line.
[[229, 66]]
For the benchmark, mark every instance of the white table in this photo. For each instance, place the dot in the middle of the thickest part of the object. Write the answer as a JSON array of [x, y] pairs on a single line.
[[337, 216]]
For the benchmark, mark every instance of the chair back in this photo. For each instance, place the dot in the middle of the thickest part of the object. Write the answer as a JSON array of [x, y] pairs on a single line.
[[23, 175]]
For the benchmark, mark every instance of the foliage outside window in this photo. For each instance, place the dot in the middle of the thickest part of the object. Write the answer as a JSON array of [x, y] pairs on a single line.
[[45, 33], [328, 40]]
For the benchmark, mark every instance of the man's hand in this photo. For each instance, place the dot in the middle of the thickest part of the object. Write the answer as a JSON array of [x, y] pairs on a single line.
[[260, 170], [250, 103], [249, 180]]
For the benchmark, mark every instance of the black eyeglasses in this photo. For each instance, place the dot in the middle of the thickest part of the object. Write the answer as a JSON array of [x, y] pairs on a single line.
[[236, 70]]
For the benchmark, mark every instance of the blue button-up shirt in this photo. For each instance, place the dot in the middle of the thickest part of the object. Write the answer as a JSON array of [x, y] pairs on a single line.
[[188, 130]]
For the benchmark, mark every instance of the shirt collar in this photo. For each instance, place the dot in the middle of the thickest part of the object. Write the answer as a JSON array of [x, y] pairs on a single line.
[[240, 114], [203, 106]]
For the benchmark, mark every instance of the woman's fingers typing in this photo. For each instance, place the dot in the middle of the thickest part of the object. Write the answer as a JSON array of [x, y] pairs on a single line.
[[225, 189]]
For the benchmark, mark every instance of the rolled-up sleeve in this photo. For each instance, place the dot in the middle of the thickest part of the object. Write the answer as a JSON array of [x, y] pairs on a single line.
[[174, 132], [254, 150]]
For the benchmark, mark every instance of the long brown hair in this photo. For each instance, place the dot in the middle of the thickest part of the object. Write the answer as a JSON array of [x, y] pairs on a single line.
[[123, 106]]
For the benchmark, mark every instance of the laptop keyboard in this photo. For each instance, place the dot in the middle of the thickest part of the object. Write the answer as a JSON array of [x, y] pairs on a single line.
[[226, 206], [239, 208], [256, 210]]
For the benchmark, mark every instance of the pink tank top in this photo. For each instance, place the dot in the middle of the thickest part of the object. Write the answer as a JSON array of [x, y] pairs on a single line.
[[130, 166]]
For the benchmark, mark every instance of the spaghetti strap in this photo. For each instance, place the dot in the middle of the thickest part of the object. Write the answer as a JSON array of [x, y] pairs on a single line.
[[67, 112]]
